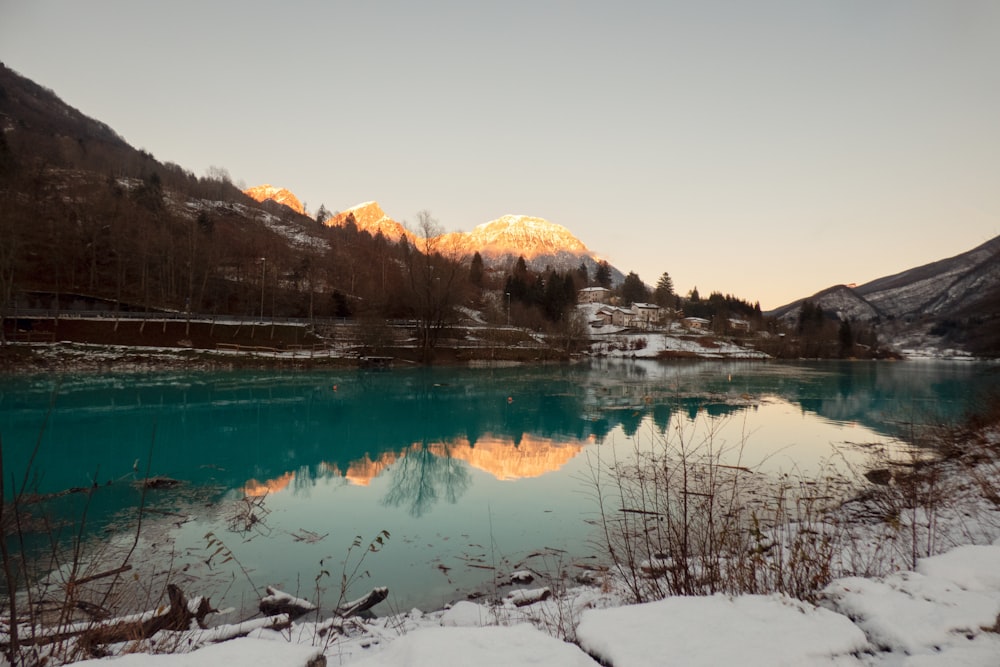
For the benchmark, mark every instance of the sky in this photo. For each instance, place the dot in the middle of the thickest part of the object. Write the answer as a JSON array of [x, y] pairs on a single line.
[[767, 149]]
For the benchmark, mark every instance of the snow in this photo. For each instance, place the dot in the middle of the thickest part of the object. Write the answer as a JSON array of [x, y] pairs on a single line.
[[483, 647], [942, 614], [759, 630], [242, 652], [911, 613], [973, 567]]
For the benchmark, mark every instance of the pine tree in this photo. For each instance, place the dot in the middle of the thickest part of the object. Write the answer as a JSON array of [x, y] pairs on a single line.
[[322, 215], [603, 274], [476, 270], [663, 295], [633, 289]]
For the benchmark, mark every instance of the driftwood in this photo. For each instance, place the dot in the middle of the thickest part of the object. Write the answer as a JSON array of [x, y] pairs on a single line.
[[523, 597], [278, 602], [363, 604], [91, 636]]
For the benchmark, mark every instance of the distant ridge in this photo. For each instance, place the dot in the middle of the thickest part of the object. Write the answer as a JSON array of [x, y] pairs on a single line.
[[949, 304]]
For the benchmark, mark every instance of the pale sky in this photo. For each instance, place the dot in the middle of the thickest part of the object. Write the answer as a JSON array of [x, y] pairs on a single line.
[[767, 149]]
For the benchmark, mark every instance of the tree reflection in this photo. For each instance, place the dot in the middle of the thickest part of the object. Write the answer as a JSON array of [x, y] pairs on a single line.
[[421, 477]]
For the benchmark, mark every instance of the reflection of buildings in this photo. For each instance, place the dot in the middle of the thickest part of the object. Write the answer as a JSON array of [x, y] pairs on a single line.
[[499, 456]]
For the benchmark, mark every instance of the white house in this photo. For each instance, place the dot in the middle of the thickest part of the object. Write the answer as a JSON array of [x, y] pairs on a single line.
[[623, 317], [593, 295], [647, 314]]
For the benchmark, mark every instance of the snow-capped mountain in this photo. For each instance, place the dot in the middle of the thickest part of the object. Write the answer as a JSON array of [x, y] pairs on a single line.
[[542, 244], [499, 242], [267, 191], [516, 235], [370, 217]]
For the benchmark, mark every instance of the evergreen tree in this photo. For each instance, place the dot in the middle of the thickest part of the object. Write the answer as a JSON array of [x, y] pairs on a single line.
[[663, 295], [603, 274], [476, 270], [322, 215], [634, 290], [846, 337]]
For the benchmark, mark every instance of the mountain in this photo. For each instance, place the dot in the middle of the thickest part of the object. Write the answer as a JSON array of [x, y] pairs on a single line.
[[369, 217], [282, 196], [516, 235], [956, 300], [499, 242], [542, 243]]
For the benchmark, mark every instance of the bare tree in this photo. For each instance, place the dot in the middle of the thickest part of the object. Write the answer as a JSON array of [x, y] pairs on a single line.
[[434, 288]]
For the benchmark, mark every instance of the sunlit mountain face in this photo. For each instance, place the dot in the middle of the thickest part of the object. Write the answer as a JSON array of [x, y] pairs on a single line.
[[498, 456], [369, 217], [265, 192], [515, 234]]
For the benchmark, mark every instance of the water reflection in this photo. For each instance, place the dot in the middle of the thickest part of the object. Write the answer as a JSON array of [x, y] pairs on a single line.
[[422, 477], [265, 431], [443, 458]]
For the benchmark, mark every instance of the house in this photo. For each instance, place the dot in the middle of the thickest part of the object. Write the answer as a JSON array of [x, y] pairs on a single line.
[[593, 295], [623, 317], [695, 322], [739, 325], [647, 314], [604, 315]]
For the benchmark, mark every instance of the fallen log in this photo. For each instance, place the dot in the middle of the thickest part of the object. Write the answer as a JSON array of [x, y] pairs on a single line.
[[91, 636], [363, 604], [278, 602], [524, 597]]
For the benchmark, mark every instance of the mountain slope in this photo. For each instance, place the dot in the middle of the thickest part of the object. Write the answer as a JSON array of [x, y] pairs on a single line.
[[940, 287], [950, 303]]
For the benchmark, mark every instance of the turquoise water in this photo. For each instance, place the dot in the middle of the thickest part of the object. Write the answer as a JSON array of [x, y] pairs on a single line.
[[467, 469]]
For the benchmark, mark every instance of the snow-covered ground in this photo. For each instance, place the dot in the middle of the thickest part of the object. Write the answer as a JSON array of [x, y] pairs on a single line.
[[944, 613], [631, 342]]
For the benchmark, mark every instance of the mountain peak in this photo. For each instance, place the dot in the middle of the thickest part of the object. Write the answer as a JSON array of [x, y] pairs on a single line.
[[267, 191], [369, 217]]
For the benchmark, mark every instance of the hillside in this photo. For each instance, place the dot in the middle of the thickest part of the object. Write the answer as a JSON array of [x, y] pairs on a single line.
[[953, 302], [89, 222]]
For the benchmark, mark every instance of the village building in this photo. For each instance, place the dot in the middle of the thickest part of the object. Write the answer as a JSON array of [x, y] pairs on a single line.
[[698, 323], [593, 295], [647, 315]]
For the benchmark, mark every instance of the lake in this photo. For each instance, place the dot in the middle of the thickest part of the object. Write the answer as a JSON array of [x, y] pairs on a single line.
[[469, 470]]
